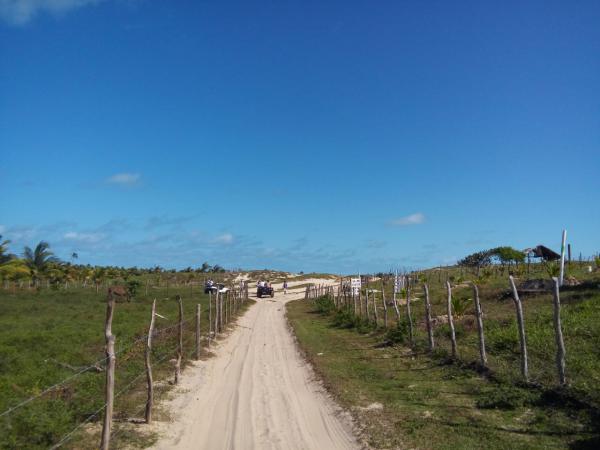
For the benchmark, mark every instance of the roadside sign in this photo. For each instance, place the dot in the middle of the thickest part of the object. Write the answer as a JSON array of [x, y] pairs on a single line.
[[355, 285], [398, 283]]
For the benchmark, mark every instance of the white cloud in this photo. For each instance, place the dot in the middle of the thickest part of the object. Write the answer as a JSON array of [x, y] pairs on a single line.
[[20, 12], [2, 229], [83, 237], [225, 238], [124, 179], [413, 219]]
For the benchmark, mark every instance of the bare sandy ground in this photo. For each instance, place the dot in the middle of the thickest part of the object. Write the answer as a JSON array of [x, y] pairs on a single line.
[[257, 393]]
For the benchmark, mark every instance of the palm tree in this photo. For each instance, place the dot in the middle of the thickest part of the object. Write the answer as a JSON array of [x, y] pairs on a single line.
[[99, 275], [37, 260], [4, 255]]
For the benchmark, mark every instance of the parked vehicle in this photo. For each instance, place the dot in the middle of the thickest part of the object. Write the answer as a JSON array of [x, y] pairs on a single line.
[[215, 287]]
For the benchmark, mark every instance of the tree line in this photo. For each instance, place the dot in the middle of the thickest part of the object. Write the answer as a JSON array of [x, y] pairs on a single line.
[[40, 263]]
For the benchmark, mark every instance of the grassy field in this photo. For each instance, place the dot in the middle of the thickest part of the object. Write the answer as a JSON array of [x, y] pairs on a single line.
[[50, 335], [410, 398]]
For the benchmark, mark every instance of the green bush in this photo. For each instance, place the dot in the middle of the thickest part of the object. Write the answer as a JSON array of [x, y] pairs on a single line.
[[506, 397], [502, 338], [444, 330], [132, 287], [398, 334], [324, 304], [460, 305], [346, 319]]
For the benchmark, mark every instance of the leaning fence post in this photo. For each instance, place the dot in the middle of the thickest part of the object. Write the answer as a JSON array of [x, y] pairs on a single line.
[[428, 317], [560, 344], [110, 373], [479, 313], [180, 343], [150, 388], [198, 313], [521, 324], [385, 315], [451, 319]]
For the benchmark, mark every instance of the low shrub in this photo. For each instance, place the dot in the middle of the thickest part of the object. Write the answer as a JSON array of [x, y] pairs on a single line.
[[324, 304], [398, 334], [345, 318], [507, 397]]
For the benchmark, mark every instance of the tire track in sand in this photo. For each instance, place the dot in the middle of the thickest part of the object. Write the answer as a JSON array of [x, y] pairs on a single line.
[[257, 393]]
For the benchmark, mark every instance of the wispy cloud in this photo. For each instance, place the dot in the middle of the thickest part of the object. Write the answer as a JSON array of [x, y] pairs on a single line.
[[225, 238], [83, 237], [20, 12], [155, 222], [124, 179], [412, 219]]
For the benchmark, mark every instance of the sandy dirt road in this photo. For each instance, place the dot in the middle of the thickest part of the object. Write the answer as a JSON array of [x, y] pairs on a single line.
[[257, 393]]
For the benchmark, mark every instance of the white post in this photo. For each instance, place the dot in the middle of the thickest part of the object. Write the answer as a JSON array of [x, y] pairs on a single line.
[[562, 257]]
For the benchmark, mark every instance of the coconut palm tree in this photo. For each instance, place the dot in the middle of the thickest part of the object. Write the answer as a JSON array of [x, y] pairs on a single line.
[[4, 255], [38, 260], [99, 275]]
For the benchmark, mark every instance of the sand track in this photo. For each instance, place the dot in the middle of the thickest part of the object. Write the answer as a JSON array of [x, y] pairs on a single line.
[[257, 393]]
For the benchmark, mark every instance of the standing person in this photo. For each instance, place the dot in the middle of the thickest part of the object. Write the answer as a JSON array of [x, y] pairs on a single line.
[[285, 287]]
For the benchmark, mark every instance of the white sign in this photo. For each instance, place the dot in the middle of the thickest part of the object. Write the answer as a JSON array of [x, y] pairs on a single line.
[[355, 284], [398, 283]]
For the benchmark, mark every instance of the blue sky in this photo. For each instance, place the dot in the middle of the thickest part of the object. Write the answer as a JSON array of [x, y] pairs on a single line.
[[325, 136]]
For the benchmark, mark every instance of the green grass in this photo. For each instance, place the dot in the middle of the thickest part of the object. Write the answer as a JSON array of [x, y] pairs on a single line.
[[431, 402], [41, 333]]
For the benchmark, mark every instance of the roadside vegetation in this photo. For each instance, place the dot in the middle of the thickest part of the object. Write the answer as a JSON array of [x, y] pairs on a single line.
[[52, 317], [406, 396]]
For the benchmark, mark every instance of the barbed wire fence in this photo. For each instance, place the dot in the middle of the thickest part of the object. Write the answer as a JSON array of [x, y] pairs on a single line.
[[176, 343], [364, 302]]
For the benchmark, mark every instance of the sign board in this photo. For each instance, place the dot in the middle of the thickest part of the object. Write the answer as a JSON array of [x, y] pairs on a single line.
[[355, 285], [398, 283]]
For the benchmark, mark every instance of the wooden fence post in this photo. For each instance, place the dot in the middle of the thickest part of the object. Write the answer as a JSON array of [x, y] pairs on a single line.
[[216, 326], [374, 300], [180, 341], [521, 325], [409, 316], [560, 344], [226, 307], [220, 297], [479, 313], [428, 317], [198, 315], [385, 313], [396, 305], [150, 387], [110, 373], [210, 325], [451, 319]]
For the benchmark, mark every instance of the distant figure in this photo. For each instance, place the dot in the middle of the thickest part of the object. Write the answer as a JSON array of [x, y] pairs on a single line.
[[285, 287]]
